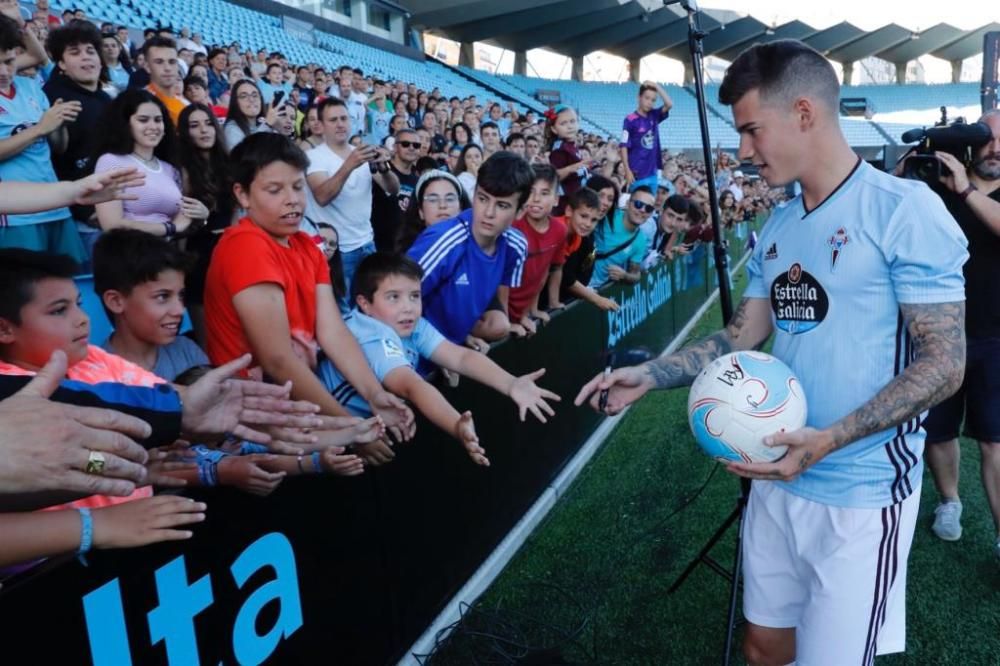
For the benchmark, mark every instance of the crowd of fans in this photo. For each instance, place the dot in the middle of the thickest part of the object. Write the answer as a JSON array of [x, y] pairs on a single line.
[[335, 237]]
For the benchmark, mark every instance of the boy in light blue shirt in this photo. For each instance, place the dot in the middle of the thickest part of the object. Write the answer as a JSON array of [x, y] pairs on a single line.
[[394, 337]]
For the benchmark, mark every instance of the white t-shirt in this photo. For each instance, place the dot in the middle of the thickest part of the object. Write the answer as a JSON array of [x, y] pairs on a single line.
[[358, 112], [350, 212]]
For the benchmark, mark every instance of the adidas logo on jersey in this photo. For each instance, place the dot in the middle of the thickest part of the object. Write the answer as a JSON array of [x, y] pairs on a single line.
[[772, 252], [463, 279]]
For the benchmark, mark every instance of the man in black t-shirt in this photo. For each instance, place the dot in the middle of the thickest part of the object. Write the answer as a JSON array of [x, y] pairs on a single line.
[[388, 209], [76, 51], [973, 198]]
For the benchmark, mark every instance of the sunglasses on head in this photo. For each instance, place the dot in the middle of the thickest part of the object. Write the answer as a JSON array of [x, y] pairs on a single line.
[[409, 144], [645, 207]]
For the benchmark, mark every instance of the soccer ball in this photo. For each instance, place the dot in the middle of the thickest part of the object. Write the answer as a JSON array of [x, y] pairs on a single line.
[[741, 398]]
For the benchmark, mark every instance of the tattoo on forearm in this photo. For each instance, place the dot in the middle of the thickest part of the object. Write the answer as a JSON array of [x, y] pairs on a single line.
[[681, 368], [938, 335]]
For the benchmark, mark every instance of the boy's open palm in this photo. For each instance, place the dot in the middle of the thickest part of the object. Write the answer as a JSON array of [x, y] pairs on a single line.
[[530, 397]]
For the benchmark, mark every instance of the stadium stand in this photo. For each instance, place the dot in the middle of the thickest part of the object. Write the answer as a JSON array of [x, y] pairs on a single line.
[[602, 106]]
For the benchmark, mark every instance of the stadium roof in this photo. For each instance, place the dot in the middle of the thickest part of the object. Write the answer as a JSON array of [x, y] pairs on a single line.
[[636, 28]]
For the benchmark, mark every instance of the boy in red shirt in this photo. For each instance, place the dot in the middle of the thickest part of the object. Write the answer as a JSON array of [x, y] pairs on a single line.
[[268, 292], [546, 249]]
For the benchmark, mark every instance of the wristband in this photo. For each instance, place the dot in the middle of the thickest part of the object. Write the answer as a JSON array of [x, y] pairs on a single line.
[[964, 194], [316, 462], [86, 534], [169, 229], [208, 471]]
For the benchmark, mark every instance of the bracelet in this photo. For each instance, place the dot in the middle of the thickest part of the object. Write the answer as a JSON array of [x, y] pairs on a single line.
[[964, 194], [316, 462], [298, 459], [169, 229], [86, 534]]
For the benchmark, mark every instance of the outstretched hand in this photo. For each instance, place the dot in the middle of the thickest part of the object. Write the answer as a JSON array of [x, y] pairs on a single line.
[[528, 396], [218, 404], [624, 386], [397, 417], [465, 431], [108, 186]]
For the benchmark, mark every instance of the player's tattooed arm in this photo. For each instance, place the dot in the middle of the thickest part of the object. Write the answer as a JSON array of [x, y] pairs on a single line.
[[749, 328], [938, 334]]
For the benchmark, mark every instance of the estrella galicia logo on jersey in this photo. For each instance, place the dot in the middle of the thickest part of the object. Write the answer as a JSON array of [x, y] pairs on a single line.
[[799, 301], [837, 242]]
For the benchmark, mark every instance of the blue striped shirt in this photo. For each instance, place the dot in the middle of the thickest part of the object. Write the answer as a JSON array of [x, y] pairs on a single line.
[[835, 278], [460, 280]]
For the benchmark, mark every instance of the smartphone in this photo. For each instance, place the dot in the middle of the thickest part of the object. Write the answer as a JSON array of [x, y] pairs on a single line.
[[278, 96]]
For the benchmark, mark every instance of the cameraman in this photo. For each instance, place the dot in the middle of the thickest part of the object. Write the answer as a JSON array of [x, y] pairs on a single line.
[[973, 198]]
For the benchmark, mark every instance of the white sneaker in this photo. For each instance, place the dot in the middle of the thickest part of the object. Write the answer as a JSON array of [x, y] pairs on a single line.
[[947, 520]]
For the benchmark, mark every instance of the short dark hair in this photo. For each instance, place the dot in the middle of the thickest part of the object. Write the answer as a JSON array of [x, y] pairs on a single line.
[[10, 34], [72, 34], [645, 189], [261, 149], [678, 204], [487, 125], [425, 163], [643, 89], [327, 103], [272, 66], [780, 70], [504, 174], [512, 137], [375, 268], [545, 172], [584, 198], [157, 42], [126, 258], [21, 270], [194, 80], [215, 52], [357, 70]]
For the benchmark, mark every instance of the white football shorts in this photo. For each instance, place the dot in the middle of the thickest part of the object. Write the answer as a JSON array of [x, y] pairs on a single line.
[[837, 575]]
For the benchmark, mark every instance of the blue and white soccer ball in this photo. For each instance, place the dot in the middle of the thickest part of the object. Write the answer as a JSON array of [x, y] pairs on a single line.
[[741, 398]]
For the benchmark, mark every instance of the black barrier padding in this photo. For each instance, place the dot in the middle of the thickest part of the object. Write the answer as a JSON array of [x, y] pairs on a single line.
[[377, 556]]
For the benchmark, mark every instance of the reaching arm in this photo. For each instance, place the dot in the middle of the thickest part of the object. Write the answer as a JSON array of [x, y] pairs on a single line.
[[262, 313], [343, 349], [408, 384], [522, 390], [749, 328], [938, 334]]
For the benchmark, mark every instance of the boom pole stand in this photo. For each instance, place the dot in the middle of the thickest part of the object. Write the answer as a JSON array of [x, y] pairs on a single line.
[[695, 36]]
